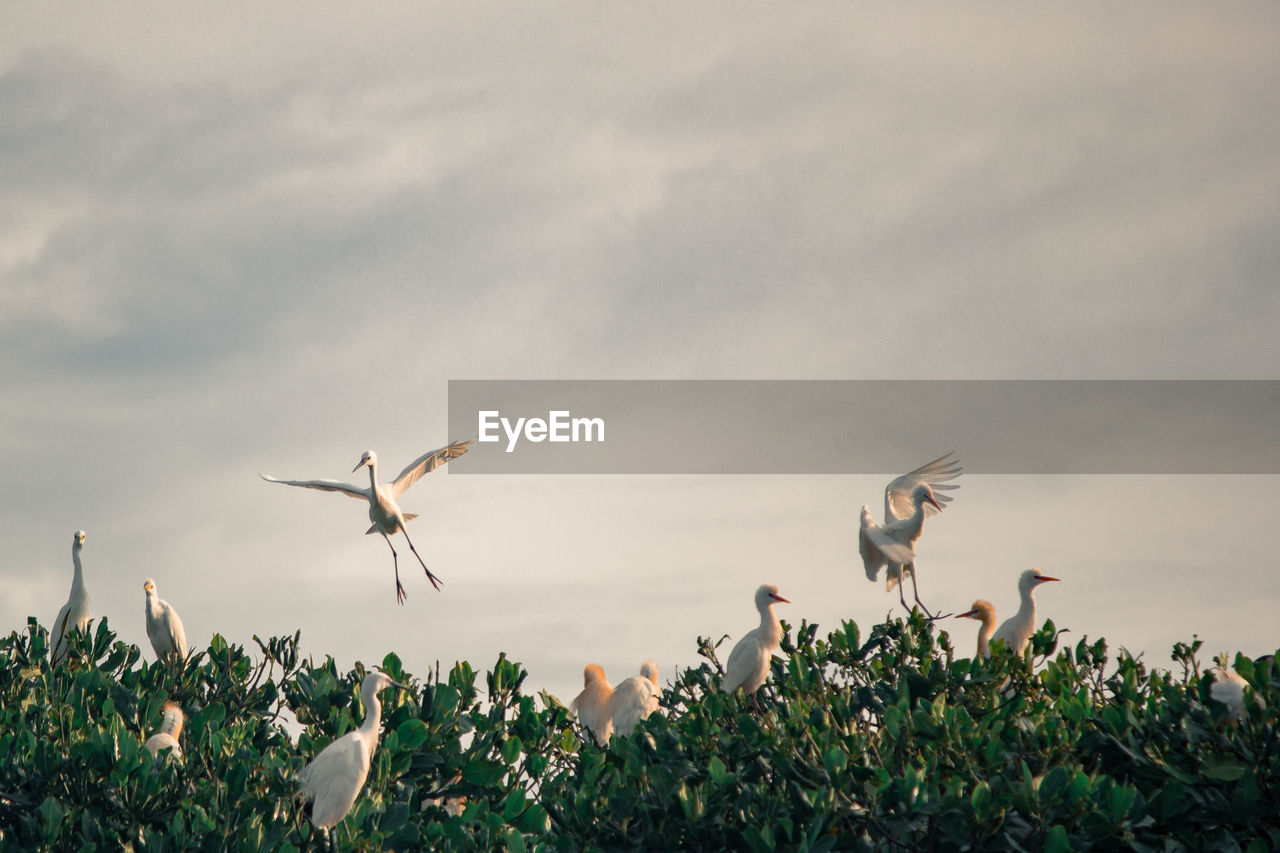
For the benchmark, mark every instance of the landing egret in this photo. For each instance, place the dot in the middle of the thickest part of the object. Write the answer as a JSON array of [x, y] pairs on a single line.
[[334, 778], [592, 704], [170, 730], [75, 613], [908, 500], [385, 514], [748, 663], [163, 626], [1016, 631], [984, 612], [635, 698]]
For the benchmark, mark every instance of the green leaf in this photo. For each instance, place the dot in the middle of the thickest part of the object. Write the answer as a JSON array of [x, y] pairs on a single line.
[[1057, 840], [411, 734], [1224, 769]]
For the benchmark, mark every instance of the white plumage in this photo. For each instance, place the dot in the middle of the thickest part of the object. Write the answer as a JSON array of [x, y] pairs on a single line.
[[748, 664], [384, 512], [1228, 688], [333, 779], [1016, 631], [75, 613], [592, 704], [168, 638], [635, 698], [170, 730], [908, 500], [984, 612]]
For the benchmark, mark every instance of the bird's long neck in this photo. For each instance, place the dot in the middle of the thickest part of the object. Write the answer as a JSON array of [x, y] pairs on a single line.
[[77, 580], [770, 627], [373, 477], [1026, 617], [984, 634], [372, 719], [915, 523], [153, 603]]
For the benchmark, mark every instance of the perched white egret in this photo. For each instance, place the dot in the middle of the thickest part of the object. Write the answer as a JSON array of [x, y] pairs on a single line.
[[984, 612], [635, 698], [1016, 631], [170, 730], [385, 514], [75, 613], [748, 664], [908, 500], [1228, 688], [334, 778], [592, 704], [163, 626]]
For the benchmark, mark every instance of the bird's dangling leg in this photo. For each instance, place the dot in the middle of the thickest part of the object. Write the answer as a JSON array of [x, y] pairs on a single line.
[[902, 585], [435, 581], [401, 595], [915, 590]]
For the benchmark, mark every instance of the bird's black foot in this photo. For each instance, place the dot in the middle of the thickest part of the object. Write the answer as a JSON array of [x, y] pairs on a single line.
[[401, 595]]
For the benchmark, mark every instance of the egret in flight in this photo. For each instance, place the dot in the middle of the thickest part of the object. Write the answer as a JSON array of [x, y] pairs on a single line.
[[592, 704], [908, 500], [164, 627], [748, 663], [1016, 631], [334, 778], [984, 612], [385, 514], [75, 613], [635, 698], [170, 730]]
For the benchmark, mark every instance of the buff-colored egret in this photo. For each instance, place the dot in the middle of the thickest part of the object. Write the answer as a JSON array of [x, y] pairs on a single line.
[[74, 615], [635, 698], [1016, 631], [334, 778], [384, 512], [592, 704], [748, 664], [984, 612], [170, 731], [168, 638], [908, 500]]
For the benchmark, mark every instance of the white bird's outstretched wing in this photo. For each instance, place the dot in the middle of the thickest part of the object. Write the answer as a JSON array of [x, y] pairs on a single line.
[[425, 464], [872, 559], [334, 778], [897, 495], [878, 546], [323, 485]]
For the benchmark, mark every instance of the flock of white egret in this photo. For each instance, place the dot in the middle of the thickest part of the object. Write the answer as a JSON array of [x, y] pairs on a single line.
[[334, 778]]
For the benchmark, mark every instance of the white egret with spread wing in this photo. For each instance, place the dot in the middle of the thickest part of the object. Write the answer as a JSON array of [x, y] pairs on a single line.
[[168, 638], [74, 615], [908, 500], [1016, 631], [333, 779], [384, 512], [748, 664]]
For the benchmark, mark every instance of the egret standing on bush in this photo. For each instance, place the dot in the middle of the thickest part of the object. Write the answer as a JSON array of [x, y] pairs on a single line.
[[168, 638], [1018, 628], [908, 500], [634, 699], [75, 613], [984, 612], [592, 704], [334, 778], [748, 663], [384, 512]]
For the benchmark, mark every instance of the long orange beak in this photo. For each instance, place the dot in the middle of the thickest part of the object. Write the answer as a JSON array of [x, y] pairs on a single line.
[[930, 499], [777, 597], [1043, 578], [969, 614]]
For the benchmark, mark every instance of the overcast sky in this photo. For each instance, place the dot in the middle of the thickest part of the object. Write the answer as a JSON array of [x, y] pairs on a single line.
[[246, 239]]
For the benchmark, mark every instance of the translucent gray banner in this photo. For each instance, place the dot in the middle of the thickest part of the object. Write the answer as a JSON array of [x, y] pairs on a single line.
[[866, 426]]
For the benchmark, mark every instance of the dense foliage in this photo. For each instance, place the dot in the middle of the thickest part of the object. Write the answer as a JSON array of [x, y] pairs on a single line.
[[888, 741]]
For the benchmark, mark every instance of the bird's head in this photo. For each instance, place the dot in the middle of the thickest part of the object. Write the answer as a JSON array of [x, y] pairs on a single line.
[[649, 669], [924, 494], [369, 458], [149, 586], [1032, 578], [766, 595], [376, 681], [77, 541], [979, 611], [592, 672]]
